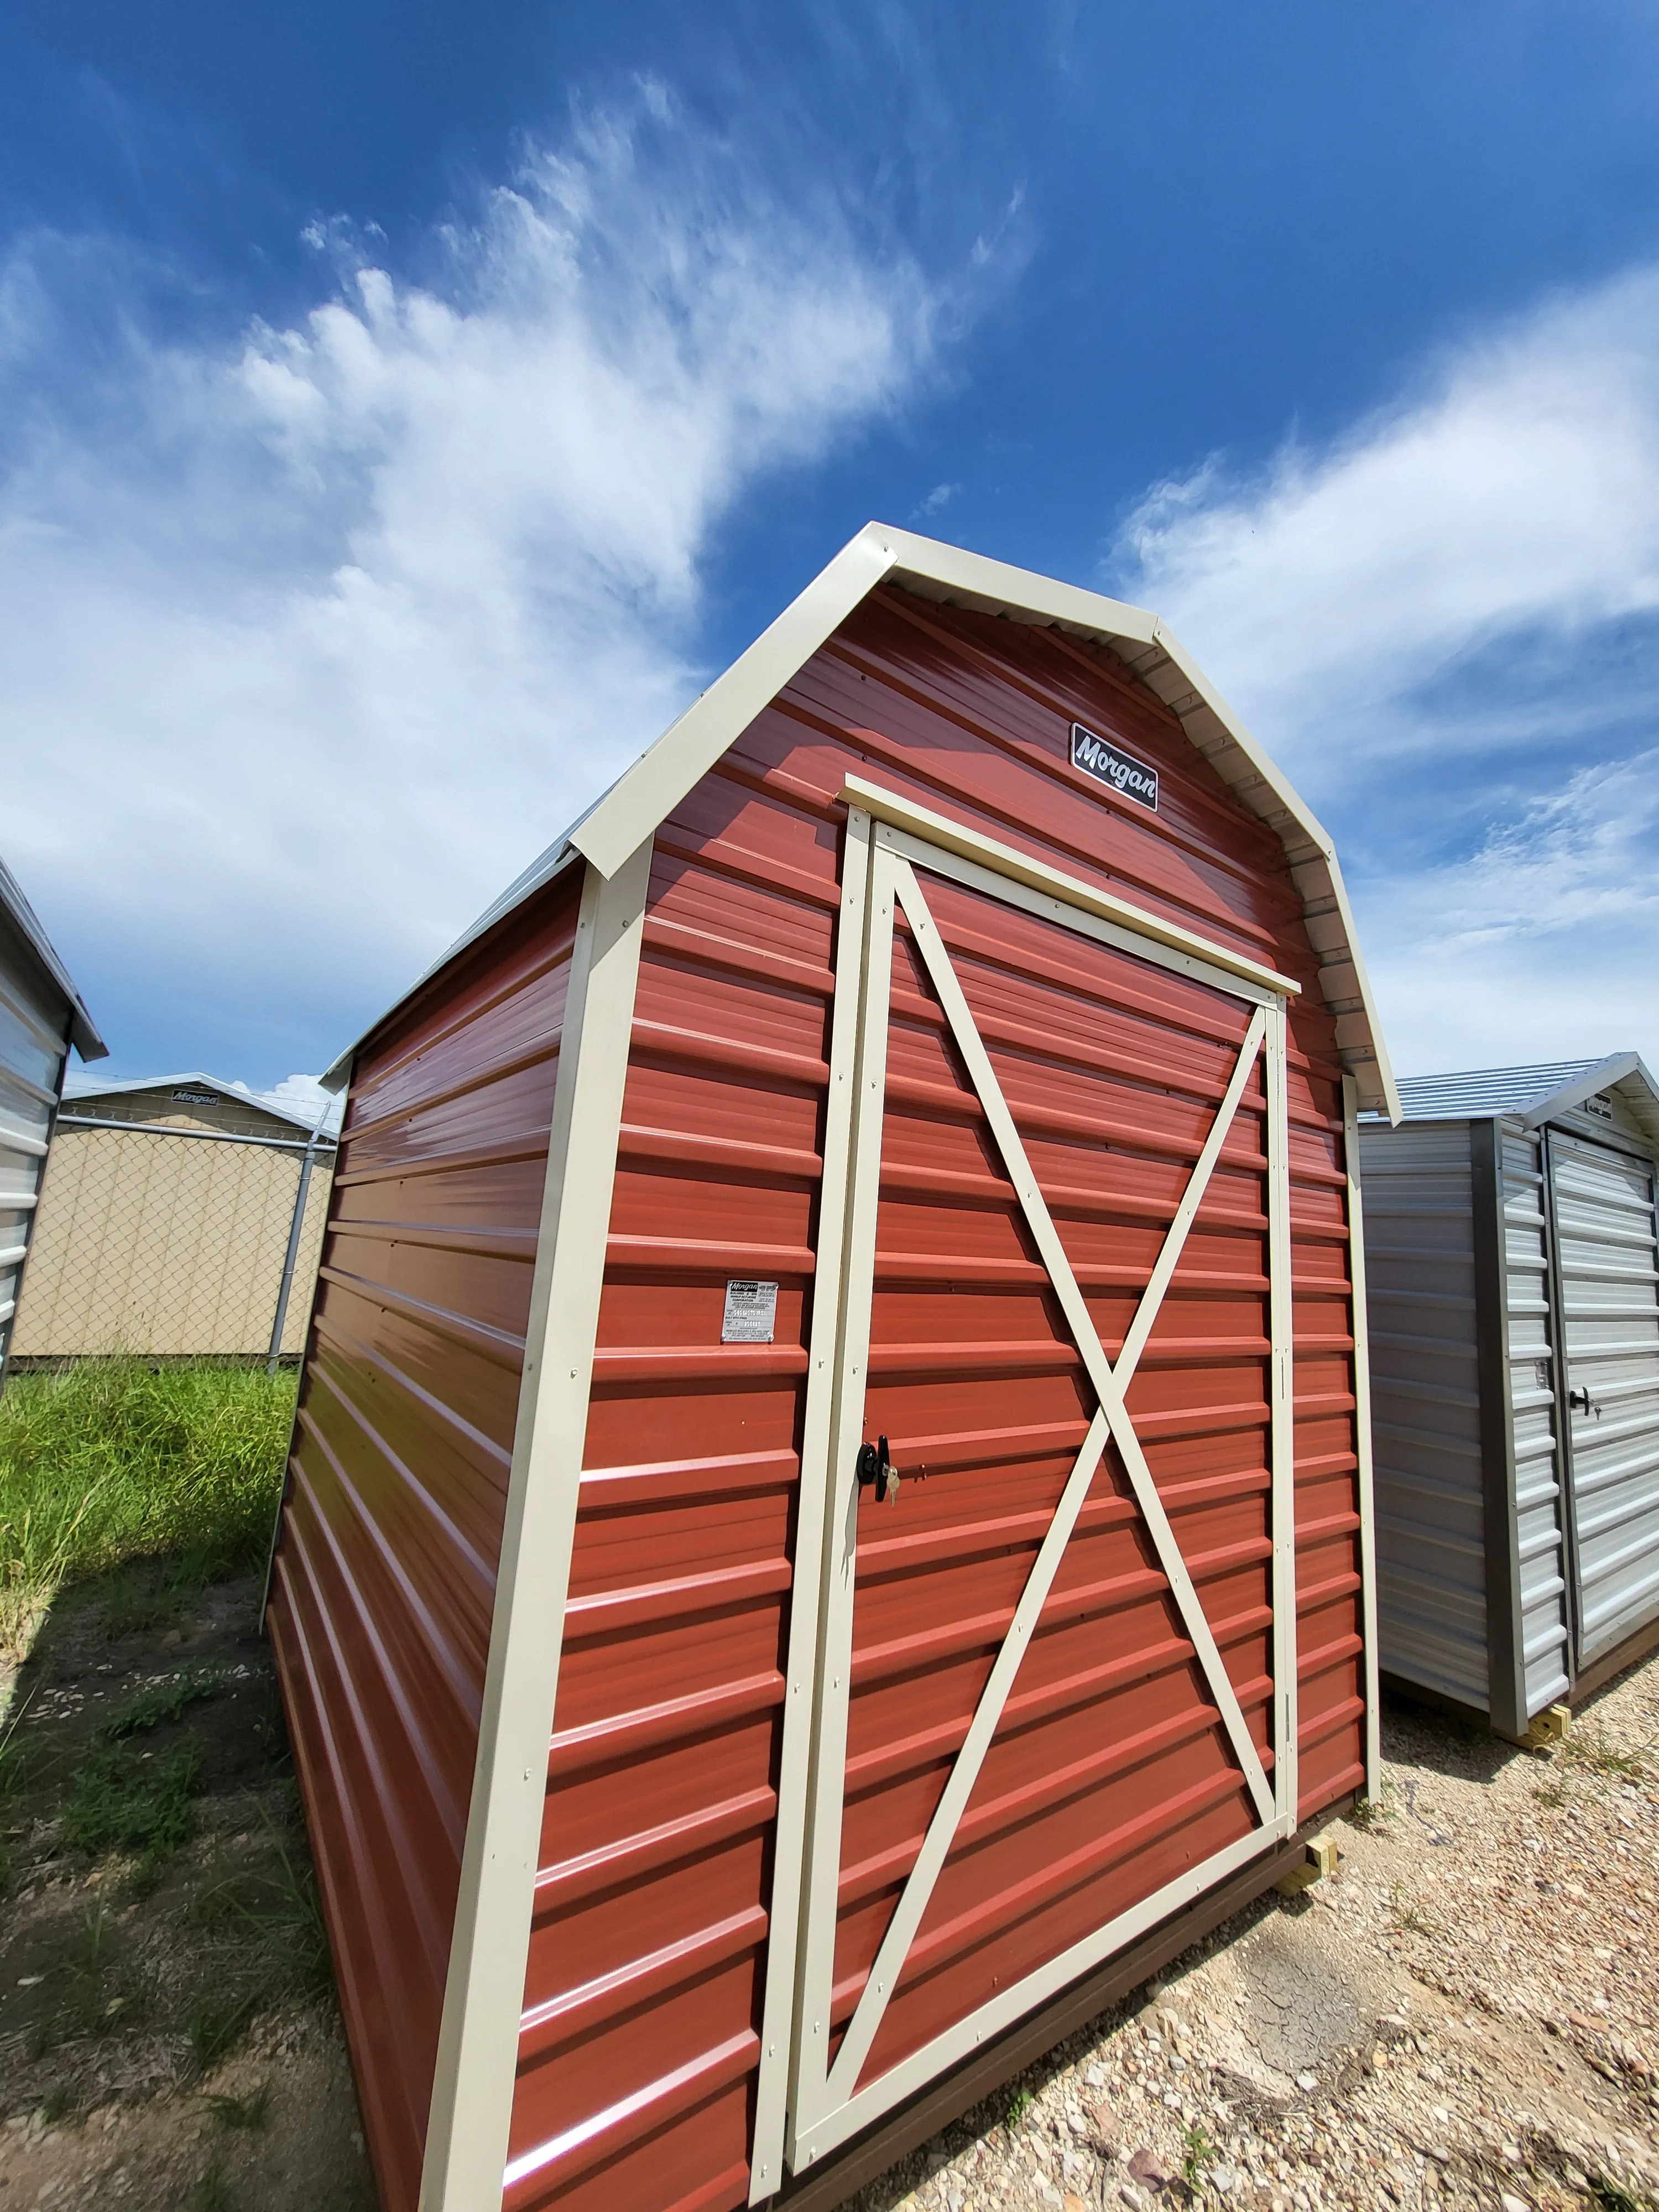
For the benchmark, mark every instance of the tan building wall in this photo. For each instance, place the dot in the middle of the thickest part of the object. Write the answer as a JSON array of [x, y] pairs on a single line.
[[152, 1241]]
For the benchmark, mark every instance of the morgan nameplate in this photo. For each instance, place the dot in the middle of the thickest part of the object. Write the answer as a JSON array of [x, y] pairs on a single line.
[[1109, 764]]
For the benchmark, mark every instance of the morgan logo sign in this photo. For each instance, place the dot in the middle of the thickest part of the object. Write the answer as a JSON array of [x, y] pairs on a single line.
[[1103, 761]]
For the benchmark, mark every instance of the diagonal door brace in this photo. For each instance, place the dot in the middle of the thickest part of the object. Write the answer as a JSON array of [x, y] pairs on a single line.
[[1110, 1417]]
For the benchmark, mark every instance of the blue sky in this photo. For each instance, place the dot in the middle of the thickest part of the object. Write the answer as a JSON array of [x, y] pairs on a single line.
[[402, 412]]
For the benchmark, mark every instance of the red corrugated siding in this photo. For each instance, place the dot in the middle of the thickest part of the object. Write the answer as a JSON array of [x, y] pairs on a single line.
[[386, 1569], [641, 2036]]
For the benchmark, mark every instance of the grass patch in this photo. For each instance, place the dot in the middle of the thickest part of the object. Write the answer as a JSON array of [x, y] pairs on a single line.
[[214, 2025], [93, 1998], [112, 1460], [141, 1802], [1587, 1748], [163, 1702], [275, 1906]]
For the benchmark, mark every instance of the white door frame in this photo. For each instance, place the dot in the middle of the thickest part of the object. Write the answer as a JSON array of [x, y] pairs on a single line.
[[807, 2106]]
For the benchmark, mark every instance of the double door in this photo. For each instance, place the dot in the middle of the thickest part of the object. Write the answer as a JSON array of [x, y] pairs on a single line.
[[1040, 1683]]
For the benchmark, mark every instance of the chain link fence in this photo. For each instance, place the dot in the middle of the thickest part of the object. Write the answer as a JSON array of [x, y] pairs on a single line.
[[172, 1243]]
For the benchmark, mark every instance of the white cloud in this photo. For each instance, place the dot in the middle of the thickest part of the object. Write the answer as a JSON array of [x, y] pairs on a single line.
[[1516, 488], [1445, 625], [1541, 945], [311, 640], [935, 502], [305, 1095]]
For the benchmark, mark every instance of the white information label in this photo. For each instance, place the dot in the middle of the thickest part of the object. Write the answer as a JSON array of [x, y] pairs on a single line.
[[751, 1310]]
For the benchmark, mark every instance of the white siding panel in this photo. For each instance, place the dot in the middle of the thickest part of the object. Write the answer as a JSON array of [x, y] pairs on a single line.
[[1543, 1632], [1420, 1288], [1609, 1268], [34, 1043]]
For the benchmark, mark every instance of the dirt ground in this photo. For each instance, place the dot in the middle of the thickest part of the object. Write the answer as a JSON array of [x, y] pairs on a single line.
[[1467, 2014], [167, 2031]]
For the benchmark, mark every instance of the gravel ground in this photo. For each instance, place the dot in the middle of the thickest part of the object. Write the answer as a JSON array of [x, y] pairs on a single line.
[[1466, 2014]]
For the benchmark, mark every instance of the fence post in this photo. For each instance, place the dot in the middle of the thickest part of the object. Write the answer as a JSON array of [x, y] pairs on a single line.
[[296, 1228]]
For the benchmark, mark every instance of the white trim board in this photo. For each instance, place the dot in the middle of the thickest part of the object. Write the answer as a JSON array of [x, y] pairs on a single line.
[[807, 2106], [472, 2091]]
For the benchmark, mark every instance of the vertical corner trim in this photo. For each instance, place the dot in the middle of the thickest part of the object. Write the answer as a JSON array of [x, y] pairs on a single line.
[[1506, 1684], [471, 2106], [1362, 1415], [1281, 1330]]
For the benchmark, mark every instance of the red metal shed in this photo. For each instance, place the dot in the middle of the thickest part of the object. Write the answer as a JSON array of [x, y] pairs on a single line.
[[939, 1054]]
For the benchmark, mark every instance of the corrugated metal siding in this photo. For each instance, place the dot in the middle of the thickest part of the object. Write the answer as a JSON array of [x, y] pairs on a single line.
[[640, 2037], [1425, 1397], [384, 1576], [1330, 1590], [1544, 1636], [166, 1245], [639, 2043], [33, 1045], [1604, 1217]]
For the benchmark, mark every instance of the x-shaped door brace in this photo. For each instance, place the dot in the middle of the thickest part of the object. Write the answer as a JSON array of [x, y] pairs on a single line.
[[1111, 1419]]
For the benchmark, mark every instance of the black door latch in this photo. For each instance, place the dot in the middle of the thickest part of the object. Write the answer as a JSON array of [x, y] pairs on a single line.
[[876, 1471]]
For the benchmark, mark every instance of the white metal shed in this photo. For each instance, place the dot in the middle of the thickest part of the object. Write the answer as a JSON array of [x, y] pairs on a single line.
[[41, 1016], [1512, 1276]]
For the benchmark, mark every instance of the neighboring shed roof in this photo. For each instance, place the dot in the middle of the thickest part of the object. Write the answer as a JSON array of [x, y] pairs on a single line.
[[645, 794], [83, 1034], [1535, 1093], [80, 1088]]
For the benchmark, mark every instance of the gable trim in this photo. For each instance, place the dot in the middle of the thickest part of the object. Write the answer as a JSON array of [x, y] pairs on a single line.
[[647, 792]]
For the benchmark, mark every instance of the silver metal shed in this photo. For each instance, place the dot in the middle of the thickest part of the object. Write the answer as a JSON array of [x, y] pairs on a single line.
[[1512, 1278], [41, 1016]]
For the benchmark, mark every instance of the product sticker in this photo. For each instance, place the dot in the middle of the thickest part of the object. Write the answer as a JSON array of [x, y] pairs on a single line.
[[751, 1313]]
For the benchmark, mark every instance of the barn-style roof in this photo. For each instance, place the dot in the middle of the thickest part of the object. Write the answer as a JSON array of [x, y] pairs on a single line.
[[647, 792]]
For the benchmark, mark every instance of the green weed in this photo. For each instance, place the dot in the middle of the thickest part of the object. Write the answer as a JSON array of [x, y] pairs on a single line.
[[212, 2192], [1018, 2104], [59, 2103], [112, 1459], [213, 2025], [252, 2113], [279, 1907], [90, 1998], [1408, 1921], [1372, 1813], [123, 1800], [163, 1702], [1197, 2155], [1610, 2198], [1587, 1748]]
